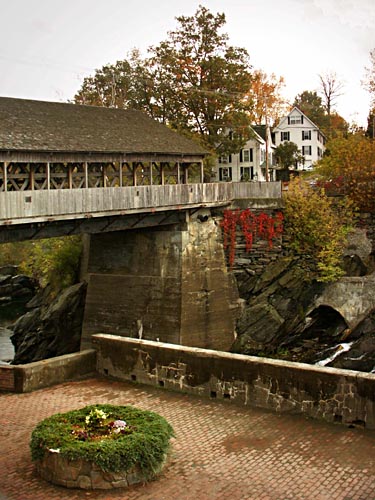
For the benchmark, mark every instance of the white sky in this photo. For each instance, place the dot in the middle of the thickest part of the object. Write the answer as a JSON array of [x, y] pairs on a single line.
[[47, 47]]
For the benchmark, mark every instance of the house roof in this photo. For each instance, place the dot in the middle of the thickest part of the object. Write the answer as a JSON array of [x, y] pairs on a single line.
[[260, 130], [280, 125], [40, 126]]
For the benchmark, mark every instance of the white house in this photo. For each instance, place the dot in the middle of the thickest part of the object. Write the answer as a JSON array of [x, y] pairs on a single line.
[[249, 164], [298, 128]]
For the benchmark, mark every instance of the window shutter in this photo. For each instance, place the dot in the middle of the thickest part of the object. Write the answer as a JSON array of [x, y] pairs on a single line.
[[288, 120], [303, 135], [251, 154], [230, 158], [301, 119], [241, 160]]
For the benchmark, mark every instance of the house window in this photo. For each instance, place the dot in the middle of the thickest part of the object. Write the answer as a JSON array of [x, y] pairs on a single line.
[[225, 173], [246, 155], [306, 135], [321, 138], [306, 150], [320, 152], [225, 159], [295, 120], [246, 173], [285, 136]]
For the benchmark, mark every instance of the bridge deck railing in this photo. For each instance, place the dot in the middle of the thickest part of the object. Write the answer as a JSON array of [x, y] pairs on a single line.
[[19, 207]]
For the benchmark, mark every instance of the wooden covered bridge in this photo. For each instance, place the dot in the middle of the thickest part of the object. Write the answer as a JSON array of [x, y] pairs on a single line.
[[63, 164], [68, 169]]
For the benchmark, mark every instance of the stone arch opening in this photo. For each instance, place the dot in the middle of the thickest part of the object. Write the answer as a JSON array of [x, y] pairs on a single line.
[[324, 321]]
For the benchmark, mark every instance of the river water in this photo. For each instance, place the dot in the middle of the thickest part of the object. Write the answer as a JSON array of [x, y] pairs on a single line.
[[6, 346], [9, 313]]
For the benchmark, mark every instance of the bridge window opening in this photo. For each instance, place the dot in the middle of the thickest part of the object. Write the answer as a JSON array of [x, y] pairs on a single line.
[[161, 383], [226, 395], [56, 175], [133, 377], [213, 394]]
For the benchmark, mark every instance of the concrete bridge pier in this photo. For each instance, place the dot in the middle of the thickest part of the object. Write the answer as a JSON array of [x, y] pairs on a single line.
[[166, 283]]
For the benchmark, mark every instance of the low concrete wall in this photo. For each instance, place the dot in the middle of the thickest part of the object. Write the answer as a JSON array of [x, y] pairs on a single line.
[[326, 393], [33, 376]]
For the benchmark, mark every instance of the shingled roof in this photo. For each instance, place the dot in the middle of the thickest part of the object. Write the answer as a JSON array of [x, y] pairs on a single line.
[[40, 126]]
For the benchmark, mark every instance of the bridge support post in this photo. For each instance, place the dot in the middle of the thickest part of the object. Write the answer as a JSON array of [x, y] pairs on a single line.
[[168, 284]]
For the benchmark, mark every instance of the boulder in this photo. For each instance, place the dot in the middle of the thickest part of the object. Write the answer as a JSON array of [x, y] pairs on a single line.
[[357, 255], [51, 329]]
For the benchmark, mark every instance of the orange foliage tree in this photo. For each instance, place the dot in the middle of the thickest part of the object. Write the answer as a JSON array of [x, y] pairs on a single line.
[[265, 95], [351, 160]]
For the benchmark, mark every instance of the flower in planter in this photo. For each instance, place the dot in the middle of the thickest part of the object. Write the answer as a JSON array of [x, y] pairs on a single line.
[[118, 426], [95, 418]]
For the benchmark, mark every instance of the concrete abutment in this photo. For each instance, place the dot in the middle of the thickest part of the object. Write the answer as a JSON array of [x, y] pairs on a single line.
[[166, 283]]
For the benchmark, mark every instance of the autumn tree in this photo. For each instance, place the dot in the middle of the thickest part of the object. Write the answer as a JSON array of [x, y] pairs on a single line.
[[317, 228], [207, 80], [350, 163], [265, 95]]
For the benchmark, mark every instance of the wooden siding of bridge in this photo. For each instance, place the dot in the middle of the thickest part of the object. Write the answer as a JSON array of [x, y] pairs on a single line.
[[19, 207]]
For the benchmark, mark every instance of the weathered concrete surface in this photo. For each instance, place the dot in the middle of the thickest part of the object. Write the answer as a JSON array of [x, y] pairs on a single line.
[[353, 298], [325, 393], [33, 376], [171, 284]]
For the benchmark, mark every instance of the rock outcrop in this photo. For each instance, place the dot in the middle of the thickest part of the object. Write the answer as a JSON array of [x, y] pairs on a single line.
[[15, 287], [52, 329], [276, 304]]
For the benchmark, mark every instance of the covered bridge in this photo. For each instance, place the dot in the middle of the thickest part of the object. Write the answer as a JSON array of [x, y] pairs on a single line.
[[49, 145]]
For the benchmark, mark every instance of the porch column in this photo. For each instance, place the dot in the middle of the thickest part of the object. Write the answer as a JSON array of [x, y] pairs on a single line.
[[5, 175]]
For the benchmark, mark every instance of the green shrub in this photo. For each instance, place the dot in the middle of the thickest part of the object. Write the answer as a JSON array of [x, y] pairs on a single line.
[[54, 260], [146, 445]]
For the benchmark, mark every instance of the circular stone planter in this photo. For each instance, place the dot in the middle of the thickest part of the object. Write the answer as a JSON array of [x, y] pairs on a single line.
[[103, 461]]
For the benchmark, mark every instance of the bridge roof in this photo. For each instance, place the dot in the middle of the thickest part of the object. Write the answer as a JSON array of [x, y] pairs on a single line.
[[40, 126]]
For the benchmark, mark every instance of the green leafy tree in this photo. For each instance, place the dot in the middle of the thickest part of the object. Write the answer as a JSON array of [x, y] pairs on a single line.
[[288, 155], [316, 228], [207, 81], [322, 113], [311, 104], [125, 84], [370, 131]]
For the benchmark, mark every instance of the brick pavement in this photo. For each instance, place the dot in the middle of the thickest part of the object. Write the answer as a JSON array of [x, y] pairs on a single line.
[[221, 452]]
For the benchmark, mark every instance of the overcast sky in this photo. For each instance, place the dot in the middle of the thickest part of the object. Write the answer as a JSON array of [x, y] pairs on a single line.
[[47, 47]]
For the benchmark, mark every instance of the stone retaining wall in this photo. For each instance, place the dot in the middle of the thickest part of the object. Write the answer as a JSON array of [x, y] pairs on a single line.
[[255, 261], [330, 394], [84, 474], [33, 376]]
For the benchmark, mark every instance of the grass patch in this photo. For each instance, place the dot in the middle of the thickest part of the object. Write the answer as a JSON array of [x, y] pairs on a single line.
[[145, 443]]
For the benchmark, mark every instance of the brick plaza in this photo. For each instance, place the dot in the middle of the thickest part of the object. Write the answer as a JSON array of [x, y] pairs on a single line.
[[220, 451]]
